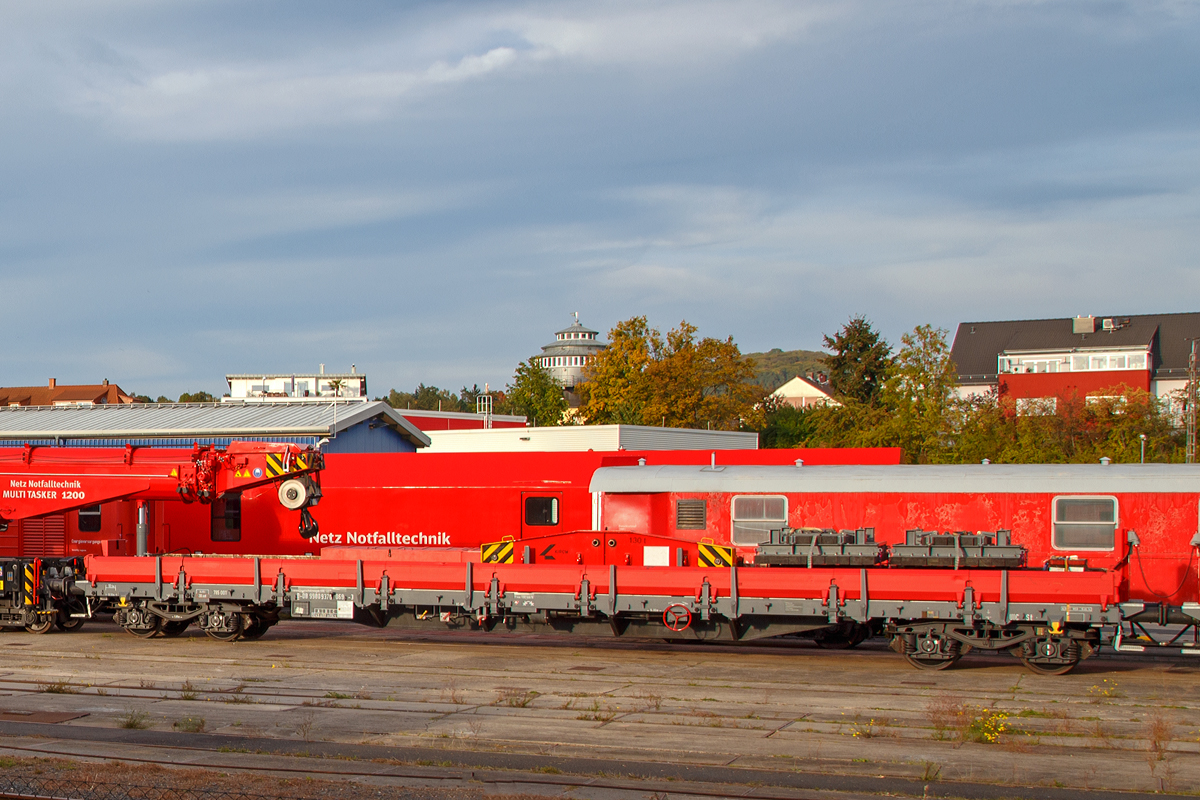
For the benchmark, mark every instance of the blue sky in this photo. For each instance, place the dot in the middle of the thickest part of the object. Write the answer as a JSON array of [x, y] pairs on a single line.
[[428, 190]]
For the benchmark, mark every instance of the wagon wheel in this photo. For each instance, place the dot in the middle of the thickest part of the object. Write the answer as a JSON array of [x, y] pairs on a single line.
[[66, 622], [175, 628], [1048, 669], [1052, 656], [932, 652], [232, 635], [152, 628], [924, 662], [44, 624], [844, 636], [253, 628]]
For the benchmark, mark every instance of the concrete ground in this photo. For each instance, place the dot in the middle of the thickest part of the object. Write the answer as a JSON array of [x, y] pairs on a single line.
[[595, 718]]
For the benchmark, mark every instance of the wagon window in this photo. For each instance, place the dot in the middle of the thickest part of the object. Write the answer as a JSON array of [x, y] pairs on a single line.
[[755, 516], [541, 510], [89, 519], [1085, 523], [691, 515], [227, 518]]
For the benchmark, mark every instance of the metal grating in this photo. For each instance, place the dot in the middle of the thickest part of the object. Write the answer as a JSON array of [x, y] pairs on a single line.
[[691, 515]]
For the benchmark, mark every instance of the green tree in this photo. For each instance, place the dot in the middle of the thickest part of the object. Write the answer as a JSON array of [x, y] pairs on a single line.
[[860, 361], [197, 397], [536, 394], [919, 393], [427, 398]]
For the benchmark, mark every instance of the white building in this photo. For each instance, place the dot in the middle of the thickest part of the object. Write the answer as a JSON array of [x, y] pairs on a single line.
[[607, 438], [317, 387], [573, 348], [803, 392]]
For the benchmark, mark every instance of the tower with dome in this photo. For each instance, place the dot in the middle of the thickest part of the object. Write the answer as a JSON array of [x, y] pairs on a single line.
[[573, 348]]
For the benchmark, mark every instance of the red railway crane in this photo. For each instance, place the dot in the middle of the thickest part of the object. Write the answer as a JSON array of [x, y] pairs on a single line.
[[36, 481]]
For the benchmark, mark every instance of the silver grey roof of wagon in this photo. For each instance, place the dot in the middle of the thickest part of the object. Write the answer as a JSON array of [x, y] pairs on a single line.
[[185, 420], [997, 478]]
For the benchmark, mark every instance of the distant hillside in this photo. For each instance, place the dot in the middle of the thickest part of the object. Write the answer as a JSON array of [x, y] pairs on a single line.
[[776, 367]]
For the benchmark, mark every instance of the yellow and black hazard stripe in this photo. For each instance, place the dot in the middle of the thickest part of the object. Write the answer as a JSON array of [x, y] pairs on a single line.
[[276, 467], [714, 555], [30, 584], [497, 552]]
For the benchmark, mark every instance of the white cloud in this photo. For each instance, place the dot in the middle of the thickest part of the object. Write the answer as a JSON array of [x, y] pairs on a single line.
[[219, 101], [171, 96]]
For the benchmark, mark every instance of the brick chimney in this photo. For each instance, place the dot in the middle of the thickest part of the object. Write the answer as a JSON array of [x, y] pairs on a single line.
[[105, 382], [53, 383]]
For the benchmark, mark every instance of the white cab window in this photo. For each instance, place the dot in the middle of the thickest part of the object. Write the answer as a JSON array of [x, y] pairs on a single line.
[[755, 516], [1085, 523]]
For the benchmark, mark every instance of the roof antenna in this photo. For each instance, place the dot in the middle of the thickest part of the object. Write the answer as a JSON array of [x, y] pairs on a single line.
[[576, 317]]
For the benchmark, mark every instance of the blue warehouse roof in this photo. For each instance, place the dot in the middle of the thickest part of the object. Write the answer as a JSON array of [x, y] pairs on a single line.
[[347, 427]]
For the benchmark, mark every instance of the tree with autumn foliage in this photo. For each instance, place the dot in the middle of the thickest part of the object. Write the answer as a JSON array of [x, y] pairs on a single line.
[[643, 378]]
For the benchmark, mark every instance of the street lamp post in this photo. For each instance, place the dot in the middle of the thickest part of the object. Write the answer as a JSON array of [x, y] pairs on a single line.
[[1142, 436]]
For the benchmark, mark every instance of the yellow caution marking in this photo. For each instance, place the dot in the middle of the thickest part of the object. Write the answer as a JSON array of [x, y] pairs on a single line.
[[29, 576], [714, 555], [497, 552], [274, 465]]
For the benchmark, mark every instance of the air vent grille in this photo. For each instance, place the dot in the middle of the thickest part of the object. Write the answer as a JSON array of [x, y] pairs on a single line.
[[691, 515]]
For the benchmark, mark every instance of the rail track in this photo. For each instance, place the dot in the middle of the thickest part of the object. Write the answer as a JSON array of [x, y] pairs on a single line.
[[545, 715]]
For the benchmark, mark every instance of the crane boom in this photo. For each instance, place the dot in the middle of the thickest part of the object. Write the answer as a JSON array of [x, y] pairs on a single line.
[[35, 481]]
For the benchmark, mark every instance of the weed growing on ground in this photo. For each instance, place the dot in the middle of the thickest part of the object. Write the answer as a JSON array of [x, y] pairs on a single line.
[[863, 729], [189, 725], [931, 771], [337, 695], [135, 720], [57, 687], [652, 701], [188, 692], [305, 726], [596, 713], [948, 713], [515, 698], [451, 693], [1108, 690], [986, 725]]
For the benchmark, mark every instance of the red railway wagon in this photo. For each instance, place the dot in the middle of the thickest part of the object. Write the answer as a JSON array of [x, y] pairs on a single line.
[[1141, 522], [442, 500]]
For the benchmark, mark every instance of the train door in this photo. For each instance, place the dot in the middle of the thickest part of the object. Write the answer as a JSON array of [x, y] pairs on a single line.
[[541, 513]]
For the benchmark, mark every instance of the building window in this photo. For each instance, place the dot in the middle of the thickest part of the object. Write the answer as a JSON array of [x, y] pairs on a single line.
[[1085, 523], [541, 510], [754, 517], [227, 518], [89, 519], [1137, 361], [691, 515]]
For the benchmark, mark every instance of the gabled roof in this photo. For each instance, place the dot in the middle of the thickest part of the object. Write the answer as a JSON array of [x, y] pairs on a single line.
[[198, 420], [66, 393], [977, 345], [802, 386]]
